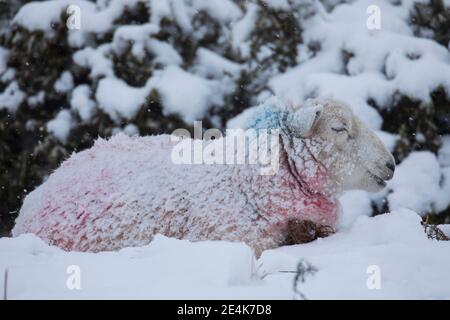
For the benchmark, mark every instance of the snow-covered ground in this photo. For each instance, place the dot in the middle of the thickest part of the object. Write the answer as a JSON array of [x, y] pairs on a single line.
[[384, 257]]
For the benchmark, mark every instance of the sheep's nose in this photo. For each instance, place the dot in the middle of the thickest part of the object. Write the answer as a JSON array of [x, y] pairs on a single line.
[[390, 165]]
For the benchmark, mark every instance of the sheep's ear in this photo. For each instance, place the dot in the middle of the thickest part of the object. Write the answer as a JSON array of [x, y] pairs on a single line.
[[302, 120]]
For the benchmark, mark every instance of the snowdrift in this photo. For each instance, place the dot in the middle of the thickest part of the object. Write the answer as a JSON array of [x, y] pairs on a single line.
[[392, 247]]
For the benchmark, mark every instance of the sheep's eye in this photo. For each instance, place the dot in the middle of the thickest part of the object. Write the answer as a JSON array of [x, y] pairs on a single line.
[[341, 129]]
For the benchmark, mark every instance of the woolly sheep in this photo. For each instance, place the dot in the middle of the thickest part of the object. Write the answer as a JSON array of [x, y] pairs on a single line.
[[123, 191]]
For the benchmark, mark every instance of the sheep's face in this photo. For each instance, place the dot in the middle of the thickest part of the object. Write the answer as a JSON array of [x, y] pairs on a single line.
[[352, 156]]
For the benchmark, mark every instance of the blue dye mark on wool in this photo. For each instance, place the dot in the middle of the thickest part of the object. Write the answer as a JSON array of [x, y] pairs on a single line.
[[268, 118]]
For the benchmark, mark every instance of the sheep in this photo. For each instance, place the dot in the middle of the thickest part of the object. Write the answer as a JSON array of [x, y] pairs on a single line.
[[123, 191]]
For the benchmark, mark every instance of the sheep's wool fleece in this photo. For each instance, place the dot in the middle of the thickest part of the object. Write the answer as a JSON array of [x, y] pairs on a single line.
[[123, 191]]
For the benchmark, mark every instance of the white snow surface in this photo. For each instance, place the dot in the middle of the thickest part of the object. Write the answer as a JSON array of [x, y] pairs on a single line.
[[12, 97], [427, 189], [64, 83], [118, 99], [185, 94], [3, 58], [82, 103], [410, 265], [60, 126]]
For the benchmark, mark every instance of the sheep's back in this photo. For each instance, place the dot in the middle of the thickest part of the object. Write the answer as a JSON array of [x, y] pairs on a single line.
[[121, 192]]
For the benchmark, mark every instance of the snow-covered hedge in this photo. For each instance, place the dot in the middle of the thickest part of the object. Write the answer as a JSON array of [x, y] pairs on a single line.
[[149, 66]]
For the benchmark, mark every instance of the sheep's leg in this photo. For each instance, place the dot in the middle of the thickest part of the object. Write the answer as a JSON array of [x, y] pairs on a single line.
[[303, 231]]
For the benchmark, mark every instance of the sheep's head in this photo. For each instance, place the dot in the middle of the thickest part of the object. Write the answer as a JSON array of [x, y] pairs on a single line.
[[352, 156]]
